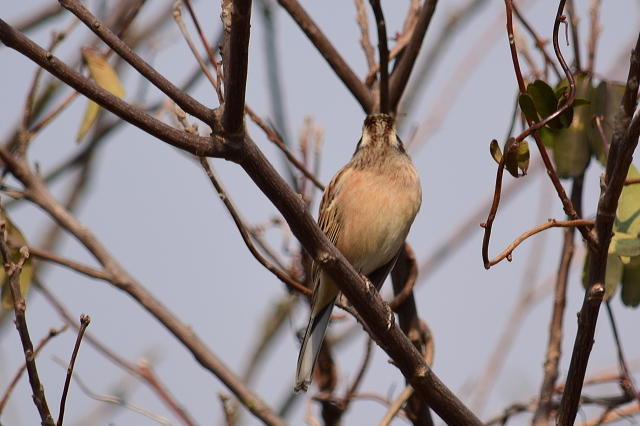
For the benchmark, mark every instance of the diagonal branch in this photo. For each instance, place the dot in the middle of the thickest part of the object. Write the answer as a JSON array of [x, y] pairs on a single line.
[[194, 144], [404, 66], [185, 101], [330, 54]]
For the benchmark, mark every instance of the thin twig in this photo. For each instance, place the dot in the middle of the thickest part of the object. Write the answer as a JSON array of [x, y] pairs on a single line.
[[594, 15], [177, 16], [144, 368], [552, 223], [396, 405], [117, 400], [575, 21], [52, 333], [363, 367], [365, 42], [13, 272], [82, 269], [540, 44], [282, 276], [626, 380], [84, 323]]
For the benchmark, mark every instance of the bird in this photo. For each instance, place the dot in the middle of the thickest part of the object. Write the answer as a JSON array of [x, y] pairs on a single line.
[[366, 211]]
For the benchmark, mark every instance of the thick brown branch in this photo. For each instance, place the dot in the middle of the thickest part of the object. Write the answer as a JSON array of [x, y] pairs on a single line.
[[330, 54], [367, 302], [236, 61]]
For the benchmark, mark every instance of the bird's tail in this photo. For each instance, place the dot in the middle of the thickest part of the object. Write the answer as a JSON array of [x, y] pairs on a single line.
[[311, 344]]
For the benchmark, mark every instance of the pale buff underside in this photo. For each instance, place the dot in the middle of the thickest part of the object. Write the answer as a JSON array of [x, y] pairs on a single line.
[[392, 202]]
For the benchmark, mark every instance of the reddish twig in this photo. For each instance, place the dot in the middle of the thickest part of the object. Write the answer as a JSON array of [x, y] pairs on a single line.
[[144, 369], [552, 223], [540, 44]]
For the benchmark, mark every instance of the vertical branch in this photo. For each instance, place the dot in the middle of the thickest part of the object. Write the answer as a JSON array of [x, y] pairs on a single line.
[[623, 144], [573, 17], [554, 348], [383, 51], [13, 273], [236, 61], [594, 13], [84, 323]]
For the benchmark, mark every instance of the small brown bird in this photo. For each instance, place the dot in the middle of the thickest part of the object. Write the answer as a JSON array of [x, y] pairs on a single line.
[[366, 211]]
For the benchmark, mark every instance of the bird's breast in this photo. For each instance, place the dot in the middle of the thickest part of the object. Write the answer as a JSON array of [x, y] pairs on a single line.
[[377, 210]]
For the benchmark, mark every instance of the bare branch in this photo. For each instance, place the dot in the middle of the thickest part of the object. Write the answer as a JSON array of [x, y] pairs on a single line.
[[52, 333], [330, 54], [13, 273], [363, 23], [84, 323], [383, 52], [404, 66], [552, 223], [193, 144], [236, 60], [624, 143]]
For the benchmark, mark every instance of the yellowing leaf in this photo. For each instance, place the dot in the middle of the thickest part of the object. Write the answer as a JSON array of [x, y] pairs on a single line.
[[16, 240], [494, 148], [624, 245], [104, 76], [630, 293]]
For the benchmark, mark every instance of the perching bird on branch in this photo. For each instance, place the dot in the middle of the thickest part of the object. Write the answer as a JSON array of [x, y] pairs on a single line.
[[366, 211]]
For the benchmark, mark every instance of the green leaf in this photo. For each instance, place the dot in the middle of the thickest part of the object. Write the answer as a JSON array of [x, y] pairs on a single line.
[[613, 274], [528, 108], [577, 102], [624, 245], [496, 154], [607, 100], [16, 240], [104, 76], [628, 213], [516, 157], [571, 147], [548, 136], [630, 293], [545, 101]]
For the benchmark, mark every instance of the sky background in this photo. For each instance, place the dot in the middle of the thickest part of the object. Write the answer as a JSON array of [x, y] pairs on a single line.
[[156, 212]]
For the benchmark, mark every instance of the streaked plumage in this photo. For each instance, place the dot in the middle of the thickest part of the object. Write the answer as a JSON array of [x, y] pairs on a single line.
[[366, 211]]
